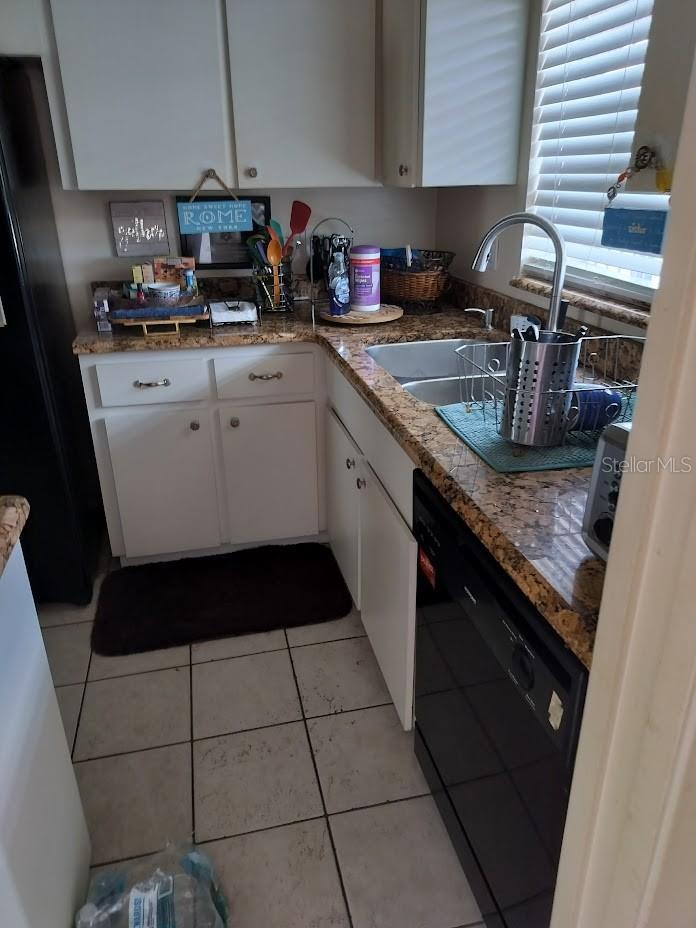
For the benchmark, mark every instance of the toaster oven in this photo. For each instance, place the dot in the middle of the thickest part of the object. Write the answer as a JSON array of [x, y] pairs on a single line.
[[598, 521]]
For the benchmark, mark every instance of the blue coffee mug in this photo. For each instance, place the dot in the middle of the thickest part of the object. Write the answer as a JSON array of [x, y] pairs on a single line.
[[595, 408]]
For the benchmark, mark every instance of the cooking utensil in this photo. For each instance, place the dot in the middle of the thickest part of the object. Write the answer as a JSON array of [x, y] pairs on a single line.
[[274, 253], [314, 265], [261, 251], [299, 217], [275, 230]]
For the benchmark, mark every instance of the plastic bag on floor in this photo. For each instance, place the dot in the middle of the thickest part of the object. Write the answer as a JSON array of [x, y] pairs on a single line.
[[175, 889]]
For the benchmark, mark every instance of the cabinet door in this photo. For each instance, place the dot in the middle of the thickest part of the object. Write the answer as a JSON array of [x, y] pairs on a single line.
[[473, 76], [303, 91], [145, 92], [388, 591], [401, 26], [342, 502], [270, 463], [165, 480]]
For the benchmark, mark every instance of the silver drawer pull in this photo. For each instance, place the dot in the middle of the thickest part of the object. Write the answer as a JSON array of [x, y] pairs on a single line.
[[277, 376], [194, 426], [141, 384]]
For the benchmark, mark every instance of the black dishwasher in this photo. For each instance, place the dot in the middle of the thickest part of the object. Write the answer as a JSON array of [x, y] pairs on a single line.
[[498, 706]]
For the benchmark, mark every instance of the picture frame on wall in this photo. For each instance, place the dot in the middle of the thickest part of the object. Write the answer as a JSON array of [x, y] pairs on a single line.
[[218, 250], [139, 227]]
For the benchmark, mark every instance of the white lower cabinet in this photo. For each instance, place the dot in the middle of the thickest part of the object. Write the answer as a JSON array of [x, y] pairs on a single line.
[[377, 554], [162, 461], [388, 553], [206, 449], [270, 471], [342, 502]]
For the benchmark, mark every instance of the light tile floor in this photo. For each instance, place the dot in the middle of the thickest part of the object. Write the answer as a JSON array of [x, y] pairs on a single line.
[[281, 754]]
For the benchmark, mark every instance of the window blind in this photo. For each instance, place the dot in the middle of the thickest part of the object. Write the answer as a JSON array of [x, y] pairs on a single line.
[[591, 61]]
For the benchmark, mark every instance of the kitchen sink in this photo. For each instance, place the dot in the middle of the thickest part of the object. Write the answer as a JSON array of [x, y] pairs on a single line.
[[441, 391], [432, 371]]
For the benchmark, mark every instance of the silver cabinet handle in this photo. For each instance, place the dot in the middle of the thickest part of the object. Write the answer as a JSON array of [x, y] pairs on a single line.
[[350, 462], [403, 169], [252, 172], [141, 384], [277, 376], [194, 426], [361, 483], [234, 422]]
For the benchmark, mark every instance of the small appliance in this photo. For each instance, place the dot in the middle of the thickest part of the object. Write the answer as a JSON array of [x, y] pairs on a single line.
[[598, 522]]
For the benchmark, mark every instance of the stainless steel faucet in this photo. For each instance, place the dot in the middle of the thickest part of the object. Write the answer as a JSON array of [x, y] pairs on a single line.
[[483, 255], [486, 318]]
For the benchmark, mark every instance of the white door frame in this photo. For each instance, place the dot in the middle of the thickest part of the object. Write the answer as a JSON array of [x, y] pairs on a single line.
[[629, 855]]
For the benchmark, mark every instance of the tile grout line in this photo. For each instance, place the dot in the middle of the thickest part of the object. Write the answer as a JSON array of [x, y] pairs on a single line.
[[154, 747], [46, 628], [204, 841], [299, 821], [212, 660], [319, 787], [313, 644], [82, 704], [227, 734], [137, 673]]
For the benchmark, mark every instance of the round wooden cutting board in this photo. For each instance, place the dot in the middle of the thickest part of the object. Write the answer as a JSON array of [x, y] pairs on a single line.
[[385, 313]]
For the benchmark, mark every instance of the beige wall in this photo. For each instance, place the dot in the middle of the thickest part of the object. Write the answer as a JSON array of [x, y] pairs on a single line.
[[386, 217], [464, 214]]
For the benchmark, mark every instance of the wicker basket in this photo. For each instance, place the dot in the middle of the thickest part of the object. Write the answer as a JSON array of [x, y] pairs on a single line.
[[412, 286]]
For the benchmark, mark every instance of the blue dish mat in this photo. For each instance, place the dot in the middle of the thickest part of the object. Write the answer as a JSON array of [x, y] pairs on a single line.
[[480, 433]]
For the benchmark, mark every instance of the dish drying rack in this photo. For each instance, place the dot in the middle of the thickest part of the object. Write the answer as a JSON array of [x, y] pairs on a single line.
[[544, 394]]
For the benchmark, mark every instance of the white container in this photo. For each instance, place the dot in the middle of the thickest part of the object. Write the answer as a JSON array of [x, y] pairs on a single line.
[[364, 278]]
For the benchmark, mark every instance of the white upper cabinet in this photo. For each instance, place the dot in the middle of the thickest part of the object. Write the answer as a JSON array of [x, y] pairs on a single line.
[[452, 82], [145, 91], [303, 90]]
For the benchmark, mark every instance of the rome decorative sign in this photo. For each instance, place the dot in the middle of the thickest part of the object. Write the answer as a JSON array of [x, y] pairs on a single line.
[[200, 216]]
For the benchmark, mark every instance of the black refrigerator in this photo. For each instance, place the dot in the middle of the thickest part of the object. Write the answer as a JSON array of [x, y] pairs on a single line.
[[46, 452]]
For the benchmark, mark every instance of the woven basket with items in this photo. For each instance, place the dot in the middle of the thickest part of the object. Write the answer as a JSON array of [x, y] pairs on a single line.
[[414, 275]]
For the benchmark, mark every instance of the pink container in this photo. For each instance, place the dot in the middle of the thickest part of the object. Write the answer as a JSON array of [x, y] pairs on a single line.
[[364, 278]]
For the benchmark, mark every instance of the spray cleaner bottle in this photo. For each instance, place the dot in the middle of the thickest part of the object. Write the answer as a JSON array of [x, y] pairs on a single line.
[[339, 287]]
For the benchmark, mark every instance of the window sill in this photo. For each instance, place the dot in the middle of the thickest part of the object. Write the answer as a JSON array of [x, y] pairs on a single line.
[[602, 306]]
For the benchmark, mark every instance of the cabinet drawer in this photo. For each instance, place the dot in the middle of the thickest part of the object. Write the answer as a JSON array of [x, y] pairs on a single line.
[[137, 383], [250, 374]]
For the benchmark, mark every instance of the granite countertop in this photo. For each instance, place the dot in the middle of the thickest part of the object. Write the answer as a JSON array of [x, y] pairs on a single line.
[[530, 522], [14, 511]]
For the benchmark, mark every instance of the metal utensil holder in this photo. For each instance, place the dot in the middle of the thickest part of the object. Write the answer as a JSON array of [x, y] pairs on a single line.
[[264, 284], [312, 282], [539, 378], [534, 389]]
